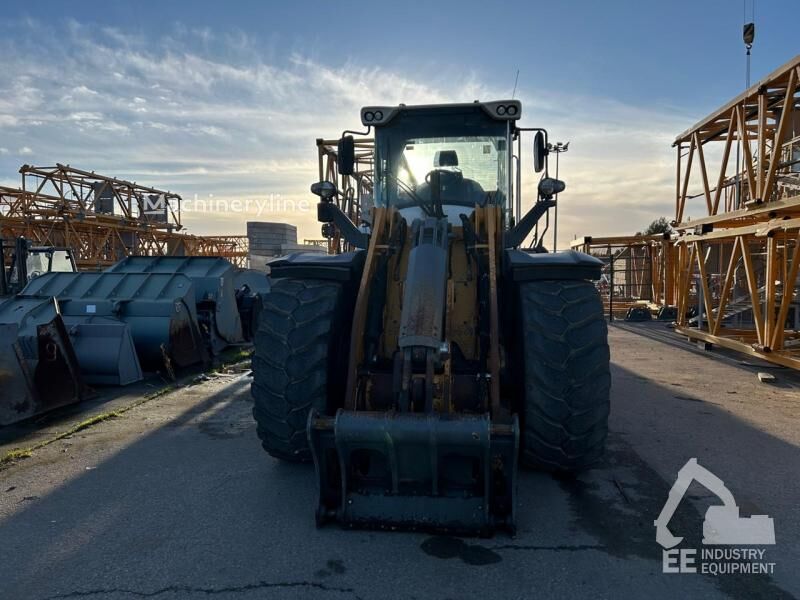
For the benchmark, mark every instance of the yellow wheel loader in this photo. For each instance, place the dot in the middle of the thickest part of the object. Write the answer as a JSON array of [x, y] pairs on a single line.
[[417, 369]]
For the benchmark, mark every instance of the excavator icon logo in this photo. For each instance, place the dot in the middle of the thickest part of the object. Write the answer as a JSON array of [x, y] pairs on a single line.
[[722, 524]]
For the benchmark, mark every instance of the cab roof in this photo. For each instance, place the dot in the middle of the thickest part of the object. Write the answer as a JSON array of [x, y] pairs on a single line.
[[500, 110]]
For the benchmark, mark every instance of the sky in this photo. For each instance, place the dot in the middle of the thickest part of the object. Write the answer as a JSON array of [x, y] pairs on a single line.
[[222, 101]]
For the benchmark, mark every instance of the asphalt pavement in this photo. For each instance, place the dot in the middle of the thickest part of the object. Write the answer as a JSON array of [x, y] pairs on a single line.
[[176, 499]]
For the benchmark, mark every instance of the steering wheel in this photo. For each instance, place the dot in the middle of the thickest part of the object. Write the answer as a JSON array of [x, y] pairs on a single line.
[[445, 174]]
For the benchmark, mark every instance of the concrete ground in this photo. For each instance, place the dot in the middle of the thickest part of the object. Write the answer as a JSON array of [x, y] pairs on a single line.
[[176, 499]]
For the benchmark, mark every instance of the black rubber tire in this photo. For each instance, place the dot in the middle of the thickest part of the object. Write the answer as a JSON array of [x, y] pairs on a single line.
[[567, 378], [298, 328]]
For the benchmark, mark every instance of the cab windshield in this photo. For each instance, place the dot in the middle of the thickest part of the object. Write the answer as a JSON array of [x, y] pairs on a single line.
[[457, 158]]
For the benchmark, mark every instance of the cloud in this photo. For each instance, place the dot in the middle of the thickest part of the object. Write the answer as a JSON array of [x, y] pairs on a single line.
[[24, 151], [202, 113]]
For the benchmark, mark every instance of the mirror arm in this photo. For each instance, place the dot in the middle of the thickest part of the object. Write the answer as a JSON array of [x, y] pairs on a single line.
[[351, 132], [328, 212], [517, 234]]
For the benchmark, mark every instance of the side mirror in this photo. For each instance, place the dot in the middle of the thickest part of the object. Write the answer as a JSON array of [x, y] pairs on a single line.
[[346, 155], [549, 187], [324, 189], [539, 152]]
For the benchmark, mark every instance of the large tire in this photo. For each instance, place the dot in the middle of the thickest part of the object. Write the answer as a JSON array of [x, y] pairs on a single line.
[[567, 377], [300, 324]]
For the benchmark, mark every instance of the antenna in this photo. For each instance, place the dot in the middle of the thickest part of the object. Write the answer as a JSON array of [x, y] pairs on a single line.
[[516, 79]]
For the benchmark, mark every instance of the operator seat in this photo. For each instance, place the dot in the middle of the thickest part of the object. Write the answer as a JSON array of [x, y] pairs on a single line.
[[445, 158], [456, 189]]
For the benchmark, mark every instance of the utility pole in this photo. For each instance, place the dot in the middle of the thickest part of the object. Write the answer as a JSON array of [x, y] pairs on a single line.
[[557, 148]]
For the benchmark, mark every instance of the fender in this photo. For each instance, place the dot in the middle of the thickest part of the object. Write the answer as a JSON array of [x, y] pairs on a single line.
[[531, 266], [311, 265]]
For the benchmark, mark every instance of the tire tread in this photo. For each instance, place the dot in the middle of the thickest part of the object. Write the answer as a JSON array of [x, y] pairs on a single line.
[[567, 375], [290, 364]]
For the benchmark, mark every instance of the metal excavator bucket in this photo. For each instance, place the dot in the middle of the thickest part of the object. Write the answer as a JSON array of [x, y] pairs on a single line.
[[38, 368], [388, 470]]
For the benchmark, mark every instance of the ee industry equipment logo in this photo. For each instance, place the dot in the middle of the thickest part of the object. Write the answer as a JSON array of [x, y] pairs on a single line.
[[727, 537]]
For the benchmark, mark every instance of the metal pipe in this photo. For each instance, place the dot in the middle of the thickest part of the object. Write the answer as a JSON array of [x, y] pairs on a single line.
[[3, 282], [611, 287], [555, 213]]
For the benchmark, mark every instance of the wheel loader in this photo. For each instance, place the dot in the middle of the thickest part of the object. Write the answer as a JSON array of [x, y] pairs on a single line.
[[29, 261], [418, 369]]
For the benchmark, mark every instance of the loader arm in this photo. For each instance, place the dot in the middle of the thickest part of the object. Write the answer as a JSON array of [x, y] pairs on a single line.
[[424, 439]]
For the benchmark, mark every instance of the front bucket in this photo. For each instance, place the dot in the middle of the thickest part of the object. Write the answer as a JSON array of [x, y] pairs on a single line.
[[444, 472]]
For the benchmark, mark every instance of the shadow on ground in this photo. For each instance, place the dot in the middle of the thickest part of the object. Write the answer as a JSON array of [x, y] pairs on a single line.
[[193, 505]]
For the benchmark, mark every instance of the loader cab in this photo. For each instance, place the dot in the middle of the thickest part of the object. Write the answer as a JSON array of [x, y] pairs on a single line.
[[28, 262], [437, 160], [49, 260]]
